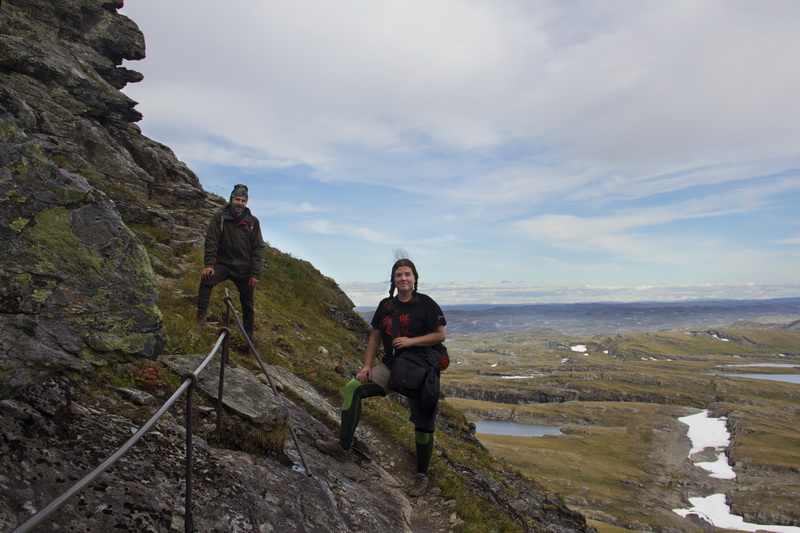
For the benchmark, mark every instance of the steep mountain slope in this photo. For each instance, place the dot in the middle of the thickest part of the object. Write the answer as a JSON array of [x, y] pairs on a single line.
[[98, 261]]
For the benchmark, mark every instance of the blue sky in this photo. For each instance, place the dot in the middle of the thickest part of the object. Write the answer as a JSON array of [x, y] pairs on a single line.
[[518, 151]]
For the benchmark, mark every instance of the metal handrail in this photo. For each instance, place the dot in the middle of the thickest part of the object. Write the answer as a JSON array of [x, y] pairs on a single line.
[[232, 312], [188, 383]]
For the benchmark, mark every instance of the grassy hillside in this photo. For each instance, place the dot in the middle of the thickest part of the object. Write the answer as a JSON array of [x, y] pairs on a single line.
[[306, 324], [622, 459]]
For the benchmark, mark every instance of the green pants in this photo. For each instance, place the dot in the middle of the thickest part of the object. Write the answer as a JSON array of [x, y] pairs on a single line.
[[355, 391]]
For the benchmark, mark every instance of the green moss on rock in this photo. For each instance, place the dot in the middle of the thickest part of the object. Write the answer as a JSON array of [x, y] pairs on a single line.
[[9, 133], [6, 372], [15, 196], [59, 251], [19, 224], [40, 295], [69, 195]]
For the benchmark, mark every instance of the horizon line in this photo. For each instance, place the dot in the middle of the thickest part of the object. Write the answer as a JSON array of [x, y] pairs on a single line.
[[606, 302], [365, 294]]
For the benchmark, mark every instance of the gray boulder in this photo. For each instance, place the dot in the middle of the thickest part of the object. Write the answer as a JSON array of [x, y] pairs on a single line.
[[80, 190], [243, 395], [76, 285]]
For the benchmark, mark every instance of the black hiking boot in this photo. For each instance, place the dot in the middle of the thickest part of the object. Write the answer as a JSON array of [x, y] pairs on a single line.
[[420, 485], [334, 449]]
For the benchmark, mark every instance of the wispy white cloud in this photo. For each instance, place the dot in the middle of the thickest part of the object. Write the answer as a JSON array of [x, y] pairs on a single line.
[[279, 207], [481, 74], [368, 295], [617, 231], [329, 227], [789, 241], [576, 142]]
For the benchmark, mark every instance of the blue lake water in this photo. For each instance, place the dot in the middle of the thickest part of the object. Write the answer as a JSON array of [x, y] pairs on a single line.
[[778, 365], [788, 378], [513, 429]]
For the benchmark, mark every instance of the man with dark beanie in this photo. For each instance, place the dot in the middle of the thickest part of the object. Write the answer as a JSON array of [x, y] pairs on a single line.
[[234, 250]]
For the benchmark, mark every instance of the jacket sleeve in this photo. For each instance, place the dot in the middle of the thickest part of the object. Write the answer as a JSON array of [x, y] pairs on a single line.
[[212, 241], [257, 249]]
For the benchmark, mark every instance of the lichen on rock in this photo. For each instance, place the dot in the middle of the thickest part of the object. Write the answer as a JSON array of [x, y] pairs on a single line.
[[76, 284]]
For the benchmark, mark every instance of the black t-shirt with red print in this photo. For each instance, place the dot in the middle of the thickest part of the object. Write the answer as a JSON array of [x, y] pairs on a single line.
[[419, 316]]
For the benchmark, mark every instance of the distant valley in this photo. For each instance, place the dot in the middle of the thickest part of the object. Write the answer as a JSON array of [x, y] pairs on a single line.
[[617, 394], [611, 318]]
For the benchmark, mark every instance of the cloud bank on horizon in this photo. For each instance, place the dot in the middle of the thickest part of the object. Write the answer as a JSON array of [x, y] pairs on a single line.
[[522, 149]]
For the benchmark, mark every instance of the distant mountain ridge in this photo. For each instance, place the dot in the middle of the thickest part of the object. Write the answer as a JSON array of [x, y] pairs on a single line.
[[608, 317]]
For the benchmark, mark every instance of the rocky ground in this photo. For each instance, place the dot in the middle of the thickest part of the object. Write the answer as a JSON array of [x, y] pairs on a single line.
[[56, 436], [53, 435]]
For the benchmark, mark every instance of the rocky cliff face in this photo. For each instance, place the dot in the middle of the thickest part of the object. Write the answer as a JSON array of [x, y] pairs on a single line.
[[76, 286], [59, 62], [80, 191]]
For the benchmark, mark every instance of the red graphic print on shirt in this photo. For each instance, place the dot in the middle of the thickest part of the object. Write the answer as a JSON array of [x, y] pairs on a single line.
[[404, 329]]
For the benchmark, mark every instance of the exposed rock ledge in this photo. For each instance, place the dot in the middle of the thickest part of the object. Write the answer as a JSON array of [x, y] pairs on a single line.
[[53, 434], [56, 436]]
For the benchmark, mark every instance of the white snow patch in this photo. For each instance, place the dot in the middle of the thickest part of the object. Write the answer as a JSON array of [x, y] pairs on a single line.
[[706, 432], [715, 510], [720, 468]]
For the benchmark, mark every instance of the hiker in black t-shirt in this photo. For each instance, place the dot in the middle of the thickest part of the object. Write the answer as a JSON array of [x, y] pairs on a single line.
[[421, 323]]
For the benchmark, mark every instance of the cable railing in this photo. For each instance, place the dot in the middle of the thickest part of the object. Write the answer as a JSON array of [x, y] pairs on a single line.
[[188, 384]]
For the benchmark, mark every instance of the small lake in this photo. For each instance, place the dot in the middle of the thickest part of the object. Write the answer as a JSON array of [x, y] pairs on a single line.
[[777, 365], [788, 378], [513, 429]]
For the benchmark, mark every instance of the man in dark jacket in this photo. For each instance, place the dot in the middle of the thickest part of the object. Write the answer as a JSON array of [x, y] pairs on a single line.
[[234, 250]]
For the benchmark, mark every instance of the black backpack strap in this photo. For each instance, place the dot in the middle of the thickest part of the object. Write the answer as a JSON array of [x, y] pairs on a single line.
[[395, 322]]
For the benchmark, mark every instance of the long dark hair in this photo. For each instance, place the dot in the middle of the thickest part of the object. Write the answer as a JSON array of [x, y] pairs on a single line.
[[402, 263]]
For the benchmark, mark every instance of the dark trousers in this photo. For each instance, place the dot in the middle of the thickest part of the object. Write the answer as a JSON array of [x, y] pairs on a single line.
[[246, 295], [355, 391]]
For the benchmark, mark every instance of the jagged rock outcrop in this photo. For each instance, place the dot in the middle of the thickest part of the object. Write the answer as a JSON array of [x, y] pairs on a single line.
[[52, 432], [243, 394], [60, 72], [509, 395], [76, 285], [794, 326]]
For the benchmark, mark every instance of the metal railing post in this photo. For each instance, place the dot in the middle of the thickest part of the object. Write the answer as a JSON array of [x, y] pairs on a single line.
[[188, 525], [223, 363]]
